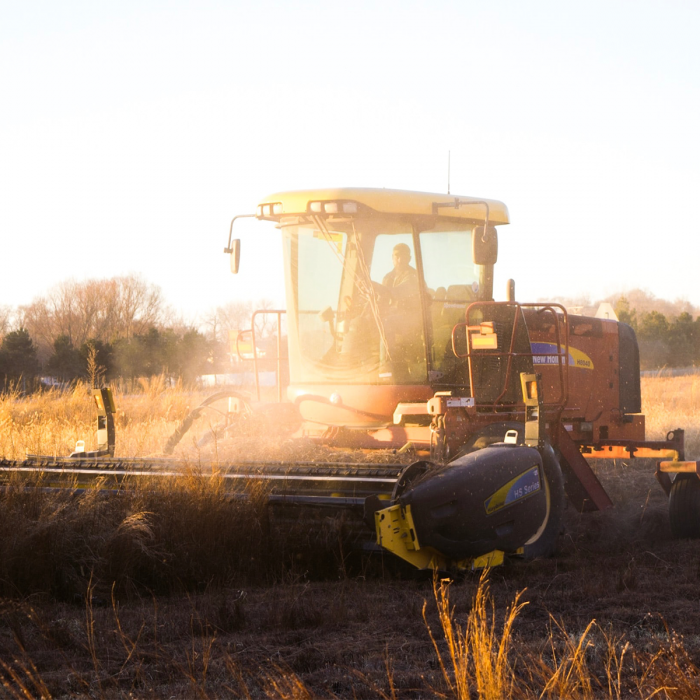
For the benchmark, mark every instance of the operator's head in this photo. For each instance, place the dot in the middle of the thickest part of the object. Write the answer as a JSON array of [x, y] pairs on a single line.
[[401, 257]]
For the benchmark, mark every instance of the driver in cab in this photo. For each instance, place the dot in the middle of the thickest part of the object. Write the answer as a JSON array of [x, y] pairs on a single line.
[[402, 321], [402, 280]]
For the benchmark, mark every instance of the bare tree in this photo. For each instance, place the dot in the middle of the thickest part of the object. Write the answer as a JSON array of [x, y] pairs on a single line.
[[38, 320], [139, 305], [5, 320], [265, 324], [223, 323], [234, 316], [104, 310]]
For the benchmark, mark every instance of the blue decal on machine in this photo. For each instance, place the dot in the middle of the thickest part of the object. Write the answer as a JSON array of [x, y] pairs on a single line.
[[523, 485], [550, 353]]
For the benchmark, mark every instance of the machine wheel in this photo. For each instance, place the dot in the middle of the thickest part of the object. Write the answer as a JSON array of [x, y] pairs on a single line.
[[545, 541], [684, 506]]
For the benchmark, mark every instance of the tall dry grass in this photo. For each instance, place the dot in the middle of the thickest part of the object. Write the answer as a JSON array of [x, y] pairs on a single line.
[[149, 411], [673, 402], [166, 535], [188, 535], [483, 658], [50, 423], [478, 658]]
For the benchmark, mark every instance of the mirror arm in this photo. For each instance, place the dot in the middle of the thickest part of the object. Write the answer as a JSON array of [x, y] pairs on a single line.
[[459, 202], [228, 250]]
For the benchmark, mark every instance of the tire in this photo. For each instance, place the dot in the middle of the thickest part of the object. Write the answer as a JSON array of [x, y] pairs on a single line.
[[544, 543], [684, 506]]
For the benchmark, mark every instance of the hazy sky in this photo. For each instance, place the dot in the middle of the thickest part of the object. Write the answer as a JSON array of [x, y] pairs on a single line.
[[132, 132]]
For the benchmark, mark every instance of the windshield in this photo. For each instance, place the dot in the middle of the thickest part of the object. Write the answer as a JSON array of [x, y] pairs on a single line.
[[364, 292]]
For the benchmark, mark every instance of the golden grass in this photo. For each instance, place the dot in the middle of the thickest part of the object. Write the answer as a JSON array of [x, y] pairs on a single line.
[[673, 402], [149, 412], [484, 659], [170, 537], [52, 422], [479, 657]]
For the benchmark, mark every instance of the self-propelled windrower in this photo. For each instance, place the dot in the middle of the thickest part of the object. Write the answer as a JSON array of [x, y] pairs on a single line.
[[394, 338]]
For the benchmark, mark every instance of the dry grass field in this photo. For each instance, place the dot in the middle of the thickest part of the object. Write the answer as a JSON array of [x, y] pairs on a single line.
[[673, 402], [176, 591]]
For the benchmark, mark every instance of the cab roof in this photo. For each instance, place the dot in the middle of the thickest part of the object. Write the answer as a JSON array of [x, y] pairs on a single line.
[[388, 202]]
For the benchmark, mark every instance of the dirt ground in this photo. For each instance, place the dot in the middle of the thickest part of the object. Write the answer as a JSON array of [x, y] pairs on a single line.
[[362, 632]]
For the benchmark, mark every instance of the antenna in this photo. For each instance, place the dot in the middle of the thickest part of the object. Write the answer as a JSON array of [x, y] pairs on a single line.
[[448, 172]]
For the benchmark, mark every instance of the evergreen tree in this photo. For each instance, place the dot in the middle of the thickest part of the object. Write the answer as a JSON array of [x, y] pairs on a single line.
[[653, 326], [193, 351], [683, 341], [624, 313], [18, 359], [104, 355], [66, 363]]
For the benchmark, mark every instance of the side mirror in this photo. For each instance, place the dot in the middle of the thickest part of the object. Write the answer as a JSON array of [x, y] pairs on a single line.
[[485, 245], [235, 252]]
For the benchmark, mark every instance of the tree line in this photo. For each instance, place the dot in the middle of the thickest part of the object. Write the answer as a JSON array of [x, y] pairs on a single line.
[[114, 328], [122, 328], [672, 341]]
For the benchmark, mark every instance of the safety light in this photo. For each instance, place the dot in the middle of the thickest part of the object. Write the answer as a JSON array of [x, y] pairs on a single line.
[[266, 210], [333, 207]]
